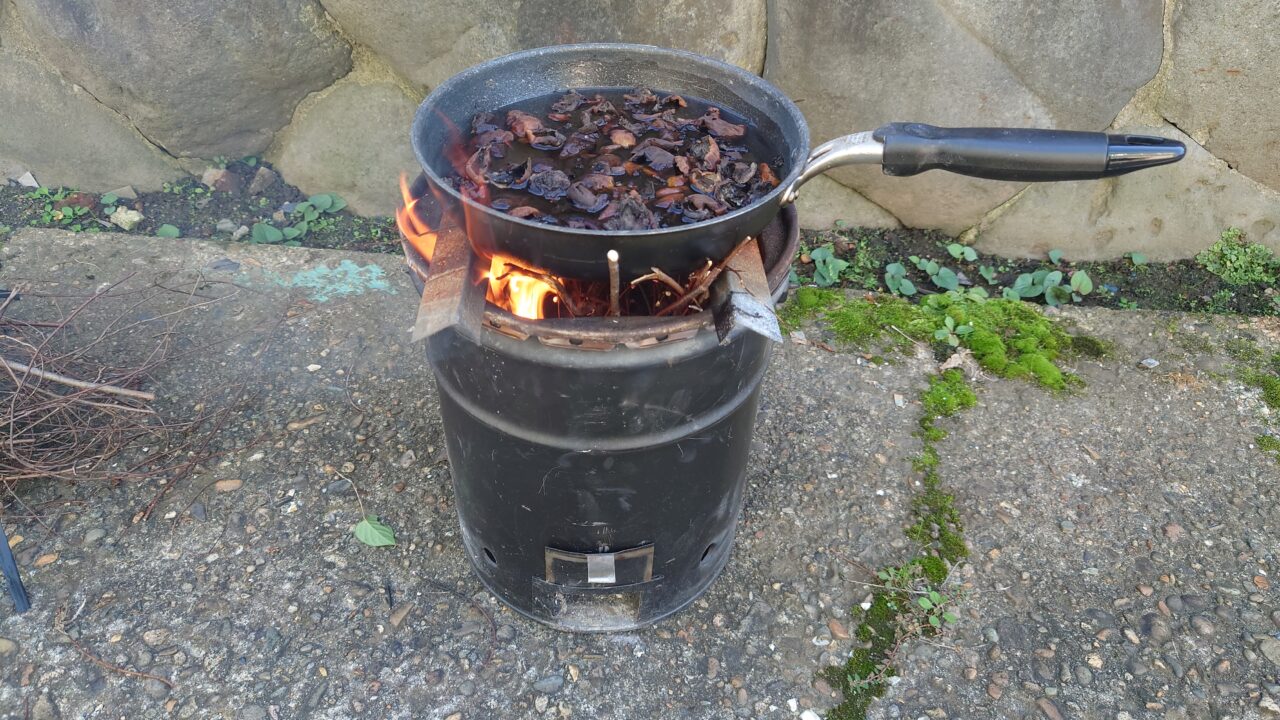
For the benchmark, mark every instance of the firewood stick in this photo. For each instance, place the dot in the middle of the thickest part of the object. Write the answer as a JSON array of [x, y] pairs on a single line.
[[72, 382], [703, 285], [661, 277], [615, 284]]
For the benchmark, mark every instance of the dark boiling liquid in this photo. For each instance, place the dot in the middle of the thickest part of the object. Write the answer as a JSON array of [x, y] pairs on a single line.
[[751, 148]]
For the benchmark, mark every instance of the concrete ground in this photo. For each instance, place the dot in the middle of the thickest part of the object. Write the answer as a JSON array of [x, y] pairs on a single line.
[[1124, 539]]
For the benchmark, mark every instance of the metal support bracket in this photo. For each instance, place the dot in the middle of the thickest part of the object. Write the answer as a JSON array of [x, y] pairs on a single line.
[[451, 297], [748, 304]]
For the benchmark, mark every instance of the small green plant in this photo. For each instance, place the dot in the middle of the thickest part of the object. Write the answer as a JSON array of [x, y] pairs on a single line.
[[1048, 283], [962, 252], [168, 231], [1055, 257], [1238, 261], [988, 273], [265, 233], [939, 275], [1137, 258], [950, 332], [69, 216], [895, 278], [826, 266]]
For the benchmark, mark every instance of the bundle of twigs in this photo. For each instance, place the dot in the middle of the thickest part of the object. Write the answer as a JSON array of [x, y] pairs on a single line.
[[67, 413], [656, 293]]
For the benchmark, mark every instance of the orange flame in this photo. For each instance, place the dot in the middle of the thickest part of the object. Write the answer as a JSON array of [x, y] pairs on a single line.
[[414, 229], [510, 287], [517, 291]]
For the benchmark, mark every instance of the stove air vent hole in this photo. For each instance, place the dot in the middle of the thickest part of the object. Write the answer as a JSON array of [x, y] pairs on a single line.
[[707, 553], [488, 554]]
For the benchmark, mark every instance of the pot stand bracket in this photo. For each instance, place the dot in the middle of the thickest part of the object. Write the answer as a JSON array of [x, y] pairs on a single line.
[[450, 295], [747, 301]]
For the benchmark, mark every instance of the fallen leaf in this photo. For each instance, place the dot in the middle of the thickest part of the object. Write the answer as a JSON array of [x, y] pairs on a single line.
[[304, 423], [400, 614], [13, 541], [47, 559], [228, 485], [1261, 582]]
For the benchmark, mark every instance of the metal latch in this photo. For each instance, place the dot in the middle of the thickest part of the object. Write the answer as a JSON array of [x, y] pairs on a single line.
[[600, 569]]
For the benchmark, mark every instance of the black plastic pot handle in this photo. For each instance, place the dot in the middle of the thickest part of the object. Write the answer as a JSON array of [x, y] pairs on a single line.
[[1018, 154]]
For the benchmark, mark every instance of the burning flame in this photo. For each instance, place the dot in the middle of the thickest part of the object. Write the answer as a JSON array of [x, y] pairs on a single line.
[[513, 289], [510, 286], [413, 228]]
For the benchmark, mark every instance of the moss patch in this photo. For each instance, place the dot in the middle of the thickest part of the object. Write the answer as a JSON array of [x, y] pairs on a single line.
[[947, 395], [1010, 338], [805, 304], [1269, 385], [1269, 444]]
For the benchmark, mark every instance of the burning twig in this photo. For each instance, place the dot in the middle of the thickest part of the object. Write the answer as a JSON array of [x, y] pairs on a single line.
[[614, 283], [556, 286]]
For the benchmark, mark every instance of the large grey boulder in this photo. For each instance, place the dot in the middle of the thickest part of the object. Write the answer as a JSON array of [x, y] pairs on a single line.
[[855, 65], [1167, 213], [352, 139], [732, 30], [63, 136], [1222, 82], [198, 78], [823, 202], [428, 41]]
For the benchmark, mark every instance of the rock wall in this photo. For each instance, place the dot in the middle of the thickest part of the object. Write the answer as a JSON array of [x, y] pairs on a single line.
[[99, 93]]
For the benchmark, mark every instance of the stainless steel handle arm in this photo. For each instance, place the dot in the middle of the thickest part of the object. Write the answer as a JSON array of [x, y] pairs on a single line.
[[856, 149]]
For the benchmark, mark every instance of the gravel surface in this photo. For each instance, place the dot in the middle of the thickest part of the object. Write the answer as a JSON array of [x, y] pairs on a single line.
[[1123, 539]]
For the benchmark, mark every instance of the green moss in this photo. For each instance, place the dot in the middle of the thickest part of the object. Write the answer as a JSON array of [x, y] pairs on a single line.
[[858, 695], [947, 395], [1269, 384], [1244, 351], [805, 304], [1269, 444], [1092, 347], [879, 630], [928, 457], [933, 568], [938, 524], [1010, 339], [857, 321]]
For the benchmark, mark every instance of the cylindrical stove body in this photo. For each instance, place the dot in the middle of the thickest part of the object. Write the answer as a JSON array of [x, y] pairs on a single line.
[[598, 490]]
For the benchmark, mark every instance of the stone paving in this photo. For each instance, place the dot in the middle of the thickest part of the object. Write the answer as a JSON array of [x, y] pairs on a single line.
[[1124, 539]]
